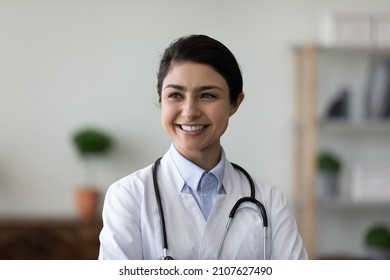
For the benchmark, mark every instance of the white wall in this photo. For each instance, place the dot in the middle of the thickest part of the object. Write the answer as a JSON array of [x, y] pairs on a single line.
[[66, 64]]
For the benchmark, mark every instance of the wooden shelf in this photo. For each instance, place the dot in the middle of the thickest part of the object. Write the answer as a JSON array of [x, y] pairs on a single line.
[[355, 126], [343, 204], [311, 133], [349, 50], [359, 50]]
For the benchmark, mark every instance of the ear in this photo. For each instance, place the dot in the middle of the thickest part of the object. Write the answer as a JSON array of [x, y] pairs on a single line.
[[234, 107]]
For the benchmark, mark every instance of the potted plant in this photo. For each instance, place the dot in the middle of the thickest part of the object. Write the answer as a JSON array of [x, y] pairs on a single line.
[[91, 144], [329, 168], [377, 242]]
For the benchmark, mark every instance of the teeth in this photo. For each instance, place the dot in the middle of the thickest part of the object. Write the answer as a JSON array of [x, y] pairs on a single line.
[[192, 127]]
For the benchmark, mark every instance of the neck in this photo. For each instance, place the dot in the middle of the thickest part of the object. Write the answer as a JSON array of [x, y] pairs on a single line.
[[205, 159]]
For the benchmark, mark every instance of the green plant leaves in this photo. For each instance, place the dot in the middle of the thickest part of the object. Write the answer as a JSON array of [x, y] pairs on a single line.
[[378, 236], [327, 161], [91, 141]]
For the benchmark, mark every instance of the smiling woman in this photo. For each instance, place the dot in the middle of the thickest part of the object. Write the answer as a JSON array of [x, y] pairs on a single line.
[[195, 111], [195, 186]]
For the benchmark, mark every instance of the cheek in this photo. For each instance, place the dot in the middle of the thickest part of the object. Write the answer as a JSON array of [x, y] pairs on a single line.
[[223, 126], [163, 116], [221, 121], [166, 116]]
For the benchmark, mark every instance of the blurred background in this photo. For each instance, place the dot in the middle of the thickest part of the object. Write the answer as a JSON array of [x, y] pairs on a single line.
[[316, 81]]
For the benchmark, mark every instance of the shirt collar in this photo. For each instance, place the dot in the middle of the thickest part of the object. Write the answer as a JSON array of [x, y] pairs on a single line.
[[191, 173]]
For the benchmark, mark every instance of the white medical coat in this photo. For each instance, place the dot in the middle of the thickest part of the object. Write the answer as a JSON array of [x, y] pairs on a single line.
[[132, 224]]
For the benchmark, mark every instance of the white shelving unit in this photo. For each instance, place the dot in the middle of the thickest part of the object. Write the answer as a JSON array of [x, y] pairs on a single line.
[[335, 228]]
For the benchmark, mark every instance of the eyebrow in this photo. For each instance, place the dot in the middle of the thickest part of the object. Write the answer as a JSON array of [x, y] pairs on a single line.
[[183, 88]]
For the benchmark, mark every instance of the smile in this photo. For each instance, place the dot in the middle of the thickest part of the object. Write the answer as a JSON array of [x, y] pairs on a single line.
[[192, 127]]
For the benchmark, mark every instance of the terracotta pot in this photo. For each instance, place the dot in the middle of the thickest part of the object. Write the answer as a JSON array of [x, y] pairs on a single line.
[[88, 202]]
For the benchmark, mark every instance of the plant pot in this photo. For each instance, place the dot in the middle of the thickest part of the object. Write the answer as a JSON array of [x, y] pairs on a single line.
[[87, 202], [327, 185]]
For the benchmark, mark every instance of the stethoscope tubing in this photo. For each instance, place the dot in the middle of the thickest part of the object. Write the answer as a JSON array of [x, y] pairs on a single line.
[[234, 210], [227, 227], [160, 208]]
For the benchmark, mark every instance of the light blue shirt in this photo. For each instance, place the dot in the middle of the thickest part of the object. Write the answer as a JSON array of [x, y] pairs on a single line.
[[203, 186]]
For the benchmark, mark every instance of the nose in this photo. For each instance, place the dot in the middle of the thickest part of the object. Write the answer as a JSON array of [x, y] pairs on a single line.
[[191, 109]]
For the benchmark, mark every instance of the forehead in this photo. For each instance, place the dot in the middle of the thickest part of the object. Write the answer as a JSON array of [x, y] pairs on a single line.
[[194, 74]]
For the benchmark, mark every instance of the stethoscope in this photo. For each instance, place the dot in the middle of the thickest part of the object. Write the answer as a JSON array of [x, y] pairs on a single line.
[[250, 198]]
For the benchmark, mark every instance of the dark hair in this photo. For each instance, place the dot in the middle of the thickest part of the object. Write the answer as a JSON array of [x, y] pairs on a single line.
[[204, 50]]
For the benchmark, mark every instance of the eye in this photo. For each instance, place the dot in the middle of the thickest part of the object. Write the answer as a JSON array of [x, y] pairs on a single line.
[[208, 96], [175, 95]]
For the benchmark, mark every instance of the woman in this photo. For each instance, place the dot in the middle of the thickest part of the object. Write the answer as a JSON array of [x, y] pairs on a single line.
[[200, 88]]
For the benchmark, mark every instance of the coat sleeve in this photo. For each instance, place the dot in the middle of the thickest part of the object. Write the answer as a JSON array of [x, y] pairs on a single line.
[[286, 241], [120, 237]]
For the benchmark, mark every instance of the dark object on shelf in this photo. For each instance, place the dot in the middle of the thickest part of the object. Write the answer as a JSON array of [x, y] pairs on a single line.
[[377, 105], [339, 106]]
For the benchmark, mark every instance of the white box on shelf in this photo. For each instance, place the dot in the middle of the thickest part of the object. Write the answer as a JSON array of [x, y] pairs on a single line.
[[370, 181], [345, 29], [381, 29]]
